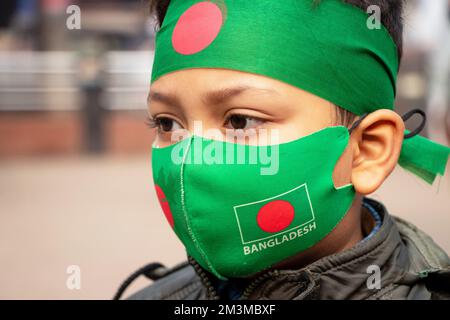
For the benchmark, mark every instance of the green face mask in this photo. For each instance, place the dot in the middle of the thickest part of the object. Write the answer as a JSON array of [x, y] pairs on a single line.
[[235, 220]]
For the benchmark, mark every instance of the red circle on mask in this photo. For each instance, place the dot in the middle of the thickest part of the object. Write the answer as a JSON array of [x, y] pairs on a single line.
[[275, 216], [197, 28], [164, 205]]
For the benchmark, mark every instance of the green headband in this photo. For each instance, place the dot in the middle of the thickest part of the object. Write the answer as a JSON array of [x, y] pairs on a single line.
[[325, 49]]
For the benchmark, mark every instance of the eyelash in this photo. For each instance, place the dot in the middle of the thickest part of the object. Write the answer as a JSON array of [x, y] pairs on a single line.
[[154, 122], [227, 120]]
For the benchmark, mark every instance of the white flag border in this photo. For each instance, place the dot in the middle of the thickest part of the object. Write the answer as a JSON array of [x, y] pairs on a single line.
[[277, 196]]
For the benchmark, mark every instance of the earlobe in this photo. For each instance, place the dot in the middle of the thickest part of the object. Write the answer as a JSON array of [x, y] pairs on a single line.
[[377, 143]]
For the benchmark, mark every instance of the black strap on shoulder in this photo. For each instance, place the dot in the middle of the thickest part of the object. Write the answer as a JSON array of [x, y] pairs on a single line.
[[152, 271], [148, 271]]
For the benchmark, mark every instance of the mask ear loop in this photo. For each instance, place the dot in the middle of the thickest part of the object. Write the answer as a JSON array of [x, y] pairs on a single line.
[[417, 130], [357, 122], [405, 118]]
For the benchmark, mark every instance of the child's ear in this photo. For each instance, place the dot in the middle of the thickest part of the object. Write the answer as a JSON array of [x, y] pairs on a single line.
[[376, 145]]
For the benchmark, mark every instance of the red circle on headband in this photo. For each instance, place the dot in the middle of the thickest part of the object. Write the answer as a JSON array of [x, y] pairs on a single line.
[[197, 28], [275, 216]]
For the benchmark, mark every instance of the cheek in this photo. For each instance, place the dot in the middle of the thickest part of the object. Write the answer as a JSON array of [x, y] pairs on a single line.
[[302, 119], [342, 173], [299, 125]]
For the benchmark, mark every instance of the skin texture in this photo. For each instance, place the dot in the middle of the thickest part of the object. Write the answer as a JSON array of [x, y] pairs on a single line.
[[213, 95]]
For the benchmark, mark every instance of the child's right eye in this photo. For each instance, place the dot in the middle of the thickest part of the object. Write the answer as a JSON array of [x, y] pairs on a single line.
[[164, 124]]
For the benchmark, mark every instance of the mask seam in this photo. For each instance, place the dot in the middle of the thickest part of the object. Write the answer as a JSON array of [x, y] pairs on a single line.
[[185, 213]]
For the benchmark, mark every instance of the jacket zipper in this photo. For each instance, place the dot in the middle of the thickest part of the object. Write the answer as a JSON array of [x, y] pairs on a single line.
[[211, 292], [252, 286]]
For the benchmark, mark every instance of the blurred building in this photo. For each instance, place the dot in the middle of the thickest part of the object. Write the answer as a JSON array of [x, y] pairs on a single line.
[[74, 91]]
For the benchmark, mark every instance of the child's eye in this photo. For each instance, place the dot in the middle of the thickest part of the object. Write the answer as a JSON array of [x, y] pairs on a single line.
[[164, 124], [242, 122]]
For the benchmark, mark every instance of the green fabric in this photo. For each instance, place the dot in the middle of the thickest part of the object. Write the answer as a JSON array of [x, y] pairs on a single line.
[[431, 160], [326, 49], [217, 209]]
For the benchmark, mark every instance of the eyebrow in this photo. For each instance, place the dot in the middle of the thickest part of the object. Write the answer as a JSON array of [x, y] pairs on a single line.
[[210, 98], [168, 99]]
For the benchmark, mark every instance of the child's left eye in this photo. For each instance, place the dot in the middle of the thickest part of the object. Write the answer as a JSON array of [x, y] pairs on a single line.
[[242, 122]]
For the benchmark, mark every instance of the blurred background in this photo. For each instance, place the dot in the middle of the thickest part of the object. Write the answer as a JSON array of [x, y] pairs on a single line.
[[75, 174]]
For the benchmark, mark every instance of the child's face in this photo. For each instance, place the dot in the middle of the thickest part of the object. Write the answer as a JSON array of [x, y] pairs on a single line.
[[230, 100], [226, 100]]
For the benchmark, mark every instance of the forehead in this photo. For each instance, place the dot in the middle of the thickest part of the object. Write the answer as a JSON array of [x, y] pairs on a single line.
[[207, 79], [202, 83]]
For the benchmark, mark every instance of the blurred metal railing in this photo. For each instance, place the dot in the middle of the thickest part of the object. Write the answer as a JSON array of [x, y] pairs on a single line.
[[50, 81]]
